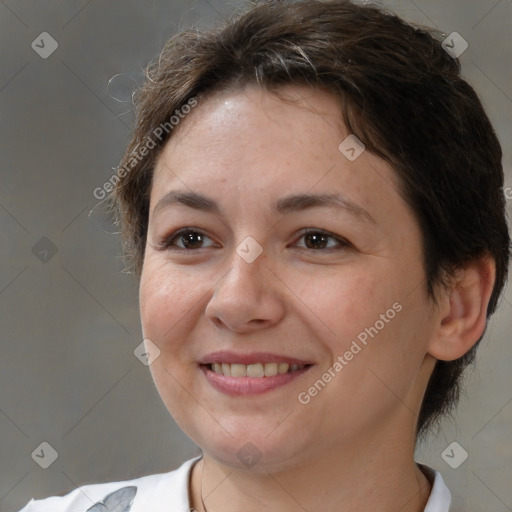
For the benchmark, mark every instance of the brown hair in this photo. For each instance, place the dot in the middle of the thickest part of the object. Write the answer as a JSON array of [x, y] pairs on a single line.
[[401, 94]]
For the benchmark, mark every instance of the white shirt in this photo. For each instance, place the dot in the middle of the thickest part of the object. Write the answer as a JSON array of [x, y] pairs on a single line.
[[168, 492]]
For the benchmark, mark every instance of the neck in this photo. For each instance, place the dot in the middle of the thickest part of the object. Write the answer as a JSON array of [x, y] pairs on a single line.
[[372, 472]]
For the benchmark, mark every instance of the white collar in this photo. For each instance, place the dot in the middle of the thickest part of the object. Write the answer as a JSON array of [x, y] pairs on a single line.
[[440, 496], [170, 491], [438, 501]]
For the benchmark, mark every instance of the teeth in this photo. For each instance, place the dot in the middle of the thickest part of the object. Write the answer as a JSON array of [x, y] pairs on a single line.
[[283, 367], [226, 369], [271, 369], [237, 370], [257, 370]]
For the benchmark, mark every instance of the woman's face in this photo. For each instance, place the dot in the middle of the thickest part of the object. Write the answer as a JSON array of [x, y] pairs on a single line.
[[243, 282]]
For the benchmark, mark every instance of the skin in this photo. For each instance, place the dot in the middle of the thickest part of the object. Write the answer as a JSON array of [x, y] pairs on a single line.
[[352, 446]]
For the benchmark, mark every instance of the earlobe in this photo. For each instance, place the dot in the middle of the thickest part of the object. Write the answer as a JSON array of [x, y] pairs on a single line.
[[462, 320]]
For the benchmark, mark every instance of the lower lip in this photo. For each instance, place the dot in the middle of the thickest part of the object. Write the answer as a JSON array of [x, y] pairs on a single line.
[[237, 386]]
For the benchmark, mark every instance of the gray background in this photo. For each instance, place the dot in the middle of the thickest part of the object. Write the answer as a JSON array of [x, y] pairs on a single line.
[[69, 324]]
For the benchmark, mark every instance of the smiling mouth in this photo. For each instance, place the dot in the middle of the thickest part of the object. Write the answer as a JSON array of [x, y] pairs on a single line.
[[256, 370]]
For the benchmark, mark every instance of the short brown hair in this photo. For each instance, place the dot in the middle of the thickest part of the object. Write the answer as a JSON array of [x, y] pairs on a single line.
[[400, 92]]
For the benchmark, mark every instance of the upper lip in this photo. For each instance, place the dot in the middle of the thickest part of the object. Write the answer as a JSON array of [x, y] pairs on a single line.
[[224, 356]]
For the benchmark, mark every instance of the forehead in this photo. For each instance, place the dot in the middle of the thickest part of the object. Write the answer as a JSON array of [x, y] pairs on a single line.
[[238, 122], [252, 140]]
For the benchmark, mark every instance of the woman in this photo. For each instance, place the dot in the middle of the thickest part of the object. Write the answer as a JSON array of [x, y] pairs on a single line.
[[313, 201]]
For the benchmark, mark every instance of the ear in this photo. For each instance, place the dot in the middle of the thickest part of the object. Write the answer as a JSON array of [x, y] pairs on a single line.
[[462, 313]]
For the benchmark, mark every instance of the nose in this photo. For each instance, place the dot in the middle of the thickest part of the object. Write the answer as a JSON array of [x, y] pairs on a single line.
[[248, 297]]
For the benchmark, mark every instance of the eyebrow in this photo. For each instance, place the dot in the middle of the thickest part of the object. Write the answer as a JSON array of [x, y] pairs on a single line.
[[284, 205]]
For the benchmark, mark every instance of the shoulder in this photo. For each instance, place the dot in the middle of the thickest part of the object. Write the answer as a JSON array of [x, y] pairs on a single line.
[[153, 492]]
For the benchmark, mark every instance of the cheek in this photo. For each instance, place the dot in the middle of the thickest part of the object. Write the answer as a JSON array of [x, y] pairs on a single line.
[[392, 330], [352, 300], [372, 312], [168, 300]]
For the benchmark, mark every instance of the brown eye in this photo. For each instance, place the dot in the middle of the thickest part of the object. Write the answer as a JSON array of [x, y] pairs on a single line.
[[186, 239], [316, 240]]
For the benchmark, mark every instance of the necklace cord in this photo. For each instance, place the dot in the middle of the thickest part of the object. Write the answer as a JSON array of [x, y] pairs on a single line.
[[201, 490]]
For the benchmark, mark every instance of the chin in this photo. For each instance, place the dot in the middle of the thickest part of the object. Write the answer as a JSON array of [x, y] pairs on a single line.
[[252, 447]]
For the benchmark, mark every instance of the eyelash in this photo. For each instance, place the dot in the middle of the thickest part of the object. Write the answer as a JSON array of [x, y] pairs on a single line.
[[167, 243]]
